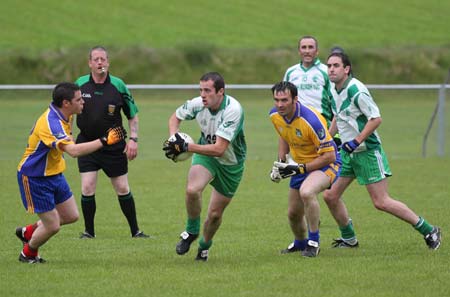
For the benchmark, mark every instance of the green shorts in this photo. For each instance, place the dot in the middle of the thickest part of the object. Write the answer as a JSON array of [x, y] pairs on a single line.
[[367, 167], [226, 178]]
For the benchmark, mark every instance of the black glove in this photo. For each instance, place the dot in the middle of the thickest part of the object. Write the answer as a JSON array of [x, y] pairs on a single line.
[[174, 146], [350, 146], [338, 141], [114, 135], [287, 170]]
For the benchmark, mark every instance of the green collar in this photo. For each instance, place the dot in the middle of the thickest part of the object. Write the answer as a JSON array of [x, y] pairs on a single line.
[[314, 63], [222, 105], [346, 82]]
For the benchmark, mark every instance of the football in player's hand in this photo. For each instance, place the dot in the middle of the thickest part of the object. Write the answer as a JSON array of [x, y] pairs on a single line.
[[175, 142]]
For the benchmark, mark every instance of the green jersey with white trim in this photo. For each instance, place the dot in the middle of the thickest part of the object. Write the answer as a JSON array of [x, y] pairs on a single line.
[[313, 86], [227, 122], [352, 107]]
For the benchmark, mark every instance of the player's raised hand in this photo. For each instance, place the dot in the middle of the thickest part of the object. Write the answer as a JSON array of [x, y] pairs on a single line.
[[114, 135]]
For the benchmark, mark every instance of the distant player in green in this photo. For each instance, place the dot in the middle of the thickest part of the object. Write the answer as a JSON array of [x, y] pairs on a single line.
[[311, 78], [356, 118], [106, 98], [42, 184], [218, 157]]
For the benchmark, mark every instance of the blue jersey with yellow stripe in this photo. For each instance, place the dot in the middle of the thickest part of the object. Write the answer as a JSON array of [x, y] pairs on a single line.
[[306, 133], [42, 155]]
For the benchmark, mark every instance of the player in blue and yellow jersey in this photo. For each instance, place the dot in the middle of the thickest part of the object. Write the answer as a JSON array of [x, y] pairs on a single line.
[[356, 119], [43, 187], [314, 166]]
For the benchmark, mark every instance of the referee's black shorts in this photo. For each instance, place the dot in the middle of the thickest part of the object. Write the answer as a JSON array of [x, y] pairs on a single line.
[[113, 162], [111, 159]]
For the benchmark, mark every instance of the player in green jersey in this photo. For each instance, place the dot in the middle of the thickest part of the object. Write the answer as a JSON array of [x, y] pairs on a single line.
[[356, 118], [218, 158]]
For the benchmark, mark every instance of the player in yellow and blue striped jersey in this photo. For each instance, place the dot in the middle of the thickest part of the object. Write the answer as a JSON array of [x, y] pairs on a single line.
[[315, 165], [42, 185]]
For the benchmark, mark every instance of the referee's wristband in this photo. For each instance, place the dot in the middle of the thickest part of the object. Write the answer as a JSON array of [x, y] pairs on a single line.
[[135, 139]]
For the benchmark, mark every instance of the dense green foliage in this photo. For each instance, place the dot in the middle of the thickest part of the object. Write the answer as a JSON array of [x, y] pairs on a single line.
[[248, 41], [245, 261]]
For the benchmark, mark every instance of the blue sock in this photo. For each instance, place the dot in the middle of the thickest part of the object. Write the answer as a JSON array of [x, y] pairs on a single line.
[[300, 244], [314, 236]]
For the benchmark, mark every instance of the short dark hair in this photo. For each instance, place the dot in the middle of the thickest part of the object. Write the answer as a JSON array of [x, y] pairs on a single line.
[[97, 48], [344, 57], [336, 49], [284, 86], [308, 37], [218, 80], [64, 91]]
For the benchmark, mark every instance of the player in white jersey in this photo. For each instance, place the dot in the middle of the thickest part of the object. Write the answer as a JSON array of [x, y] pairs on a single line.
[[218, 159], [311, 78], [356, 117]]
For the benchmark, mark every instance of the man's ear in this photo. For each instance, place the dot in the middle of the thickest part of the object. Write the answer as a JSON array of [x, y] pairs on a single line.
[[66, 102], [347, 69]]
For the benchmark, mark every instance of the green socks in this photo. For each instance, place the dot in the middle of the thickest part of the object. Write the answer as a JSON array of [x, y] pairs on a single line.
[[193, 225], [204, 245], [423, 226], [347, 232]]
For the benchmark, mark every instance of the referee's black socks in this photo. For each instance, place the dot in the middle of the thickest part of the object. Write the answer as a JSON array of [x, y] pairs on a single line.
[[129, 210], [88, 207]]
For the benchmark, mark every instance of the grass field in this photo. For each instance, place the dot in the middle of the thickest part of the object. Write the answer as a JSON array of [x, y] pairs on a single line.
[[227, 24], [160, 42], [244, 260]]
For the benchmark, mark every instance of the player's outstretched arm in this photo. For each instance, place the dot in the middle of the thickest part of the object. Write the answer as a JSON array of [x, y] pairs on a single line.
[[113, 136]]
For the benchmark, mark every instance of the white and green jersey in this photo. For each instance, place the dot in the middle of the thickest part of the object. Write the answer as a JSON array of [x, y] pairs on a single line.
[[353, 106], [227, 122], [313, 86]]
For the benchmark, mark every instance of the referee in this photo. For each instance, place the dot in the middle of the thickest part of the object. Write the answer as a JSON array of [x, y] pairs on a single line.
[[106, 97]]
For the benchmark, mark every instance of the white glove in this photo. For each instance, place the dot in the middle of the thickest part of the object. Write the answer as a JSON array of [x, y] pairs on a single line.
[[287, 170], [275, 175]]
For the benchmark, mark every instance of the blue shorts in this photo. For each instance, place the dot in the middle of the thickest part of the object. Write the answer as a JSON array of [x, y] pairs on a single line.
[[332, 171], [42, 194]]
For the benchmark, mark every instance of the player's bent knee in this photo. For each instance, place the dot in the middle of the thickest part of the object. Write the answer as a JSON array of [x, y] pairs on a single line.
[[293, 215], [72, 218], [329, 198], [307, 195], [215, 215], [53, 228], [380, 204], [193, 192]]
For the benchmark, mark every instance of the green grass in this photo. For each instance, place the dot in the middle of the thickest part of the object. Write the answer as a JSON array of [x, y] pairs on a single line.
[[244, 260], [230, 24]]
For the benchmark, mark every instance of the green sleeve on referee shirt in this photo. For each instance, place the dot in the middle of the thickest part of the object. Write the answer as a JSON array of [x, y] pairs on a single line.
[[130, 108]]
